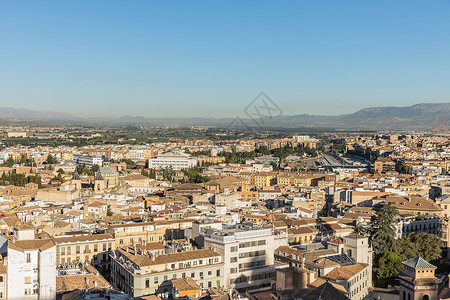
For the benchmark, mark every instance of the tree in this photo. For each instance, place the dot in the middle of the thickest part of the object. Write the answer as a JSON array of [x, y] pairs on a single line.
[[389, 266], [384, 232], [427, 246], [109, 212], [50, 160]]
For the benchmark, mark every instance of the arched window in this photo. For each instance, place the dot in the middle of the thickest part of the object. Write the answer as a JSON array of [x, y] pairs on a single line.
[[409, 296], [426, 297], [404, 295]]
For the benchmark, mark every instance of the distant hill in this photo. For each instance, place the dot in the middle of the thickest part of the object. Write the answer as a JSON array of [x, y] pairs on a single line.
[[419, 116], [425, 116], [7, 113]]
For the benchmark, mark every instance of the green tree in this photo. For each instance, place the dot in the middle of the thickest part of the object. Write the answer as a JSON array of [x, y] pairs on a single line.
[[427, 246], [109, 212], [388, 267], [383, 229]]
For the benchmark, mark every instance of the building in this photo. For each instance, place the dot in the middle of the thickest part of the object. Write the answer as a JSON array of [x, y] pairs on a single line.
[[88, 160], [383, 165], [175, 160], [418, 281], [148, 232], [31, 269], [248, 252], [354, 278], [91, 248], [139, 273]]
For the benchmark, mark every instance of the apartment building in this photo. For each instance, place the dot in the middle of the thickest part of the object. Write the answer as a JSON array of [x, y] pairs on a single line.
[[175, 160], [248, 252], [147, 232], [139, 273], [31, 269], [91, 248], [88, 160], [354, 278]]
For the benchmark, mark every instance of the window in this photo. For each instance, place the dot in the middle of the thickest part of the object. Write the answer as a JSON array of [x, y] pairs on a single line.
[[166, 277], [28, 258], [1, 278], [68, 250], [147, 283], [77, 250], [63, 251], [121, 241], [233, 259], [104, 246], [156, 280], [209, 273], [218, 272], [234, 249]]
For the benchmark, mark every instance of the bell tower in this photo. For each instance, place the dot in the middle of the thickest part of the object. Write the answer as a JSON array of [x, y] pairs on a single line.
[[418, 281]]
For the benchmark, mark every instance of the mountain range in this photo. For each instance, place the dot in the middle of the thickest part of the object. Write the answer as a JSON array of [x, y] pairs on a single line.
[[425, 116]]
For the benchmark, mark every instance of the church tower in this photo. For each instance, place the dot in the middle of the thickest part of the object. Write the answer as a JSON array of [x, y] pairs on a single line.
[[76, 180], [99, 183], [417, 281]]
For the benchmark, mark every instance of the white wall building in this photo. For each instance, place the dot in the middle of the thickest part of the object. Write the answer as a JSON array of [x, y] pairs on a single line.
[[176, 160], [88, 160], [248, 253], [31, 269]]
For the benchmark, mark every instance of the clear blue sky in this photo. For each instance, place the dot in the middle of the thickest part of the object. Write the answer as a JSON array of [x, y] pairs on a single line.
[[211, 58]]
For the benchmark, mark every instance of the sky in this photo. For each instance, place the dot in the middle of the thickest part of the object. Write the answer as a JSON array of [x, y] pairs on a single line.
[[212, 58]]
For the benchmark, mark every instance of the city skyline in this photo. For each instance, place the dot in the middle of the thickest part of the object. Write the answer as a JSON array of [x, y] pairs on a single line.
[[212, 59]]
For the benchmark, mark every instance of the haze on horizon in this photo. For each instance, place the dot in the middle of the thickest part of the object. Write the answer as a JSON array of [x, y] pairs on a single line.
[[210, 59]]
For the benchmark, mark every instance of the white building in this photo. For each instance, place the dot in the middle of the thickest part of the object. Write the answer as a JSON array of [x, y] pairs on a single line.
[[136, 154], [248, 253], [31, 268], [176, 160], [88, 160]]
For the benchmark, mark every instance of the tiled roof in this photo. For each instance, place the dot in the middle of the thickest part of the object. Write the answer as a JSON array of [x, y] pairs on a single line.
[[83, 238], [185, 284], [418, 263], [145, 260], [324, 292], [22, 245], [345, 272]]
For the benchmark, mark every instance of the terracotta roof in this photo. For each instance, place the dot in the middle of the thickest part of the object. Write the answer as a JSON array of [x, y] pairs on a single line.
[[345, 272], [185, 284], [80, 282], [22, 245], [145, 260], [83, 238]]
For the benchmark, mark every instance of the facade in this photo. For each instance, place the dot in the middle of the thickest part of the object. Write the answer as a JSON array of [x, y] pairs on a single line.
[[148, 232], [138, 273], [354, 278], [93, 248], [88, 160], [383, 165], [248, 253], [175, 160], [31, 269]]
